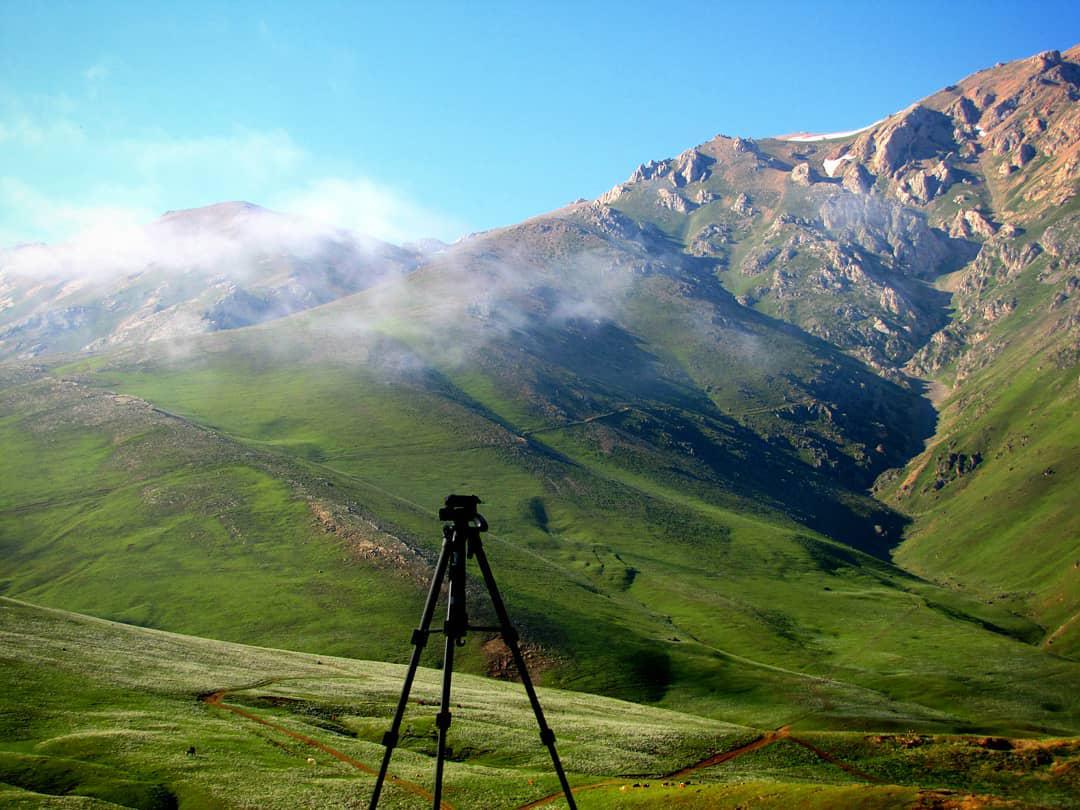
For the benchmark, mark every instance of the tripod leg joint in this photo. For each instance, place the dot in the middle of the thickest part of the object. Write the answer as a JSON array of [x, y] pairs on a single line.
[[443, 720], [547, 736], [419, 637], [390, 739], [510, 635]]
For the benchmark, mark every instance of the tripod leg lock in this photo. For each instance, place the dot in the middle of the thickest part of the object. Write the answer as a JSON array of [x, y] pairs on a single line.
[[510, 635], [547, 736], [443, 720], [390, 739], [419, 637]]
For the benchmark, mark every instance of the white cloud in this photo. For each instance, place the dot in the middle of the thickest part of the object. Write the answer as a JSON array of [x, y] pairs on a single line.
[[361, 205], [45, 214]]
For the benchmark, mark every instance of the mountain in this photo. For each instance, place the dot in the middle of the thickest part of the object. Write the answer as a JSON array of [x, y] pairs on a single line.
[[218, 267], [774, 432]]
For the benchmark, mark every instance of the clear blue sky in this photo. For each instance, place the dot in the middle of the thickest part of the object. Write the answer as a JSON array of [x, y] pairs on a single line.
[[411, 119]]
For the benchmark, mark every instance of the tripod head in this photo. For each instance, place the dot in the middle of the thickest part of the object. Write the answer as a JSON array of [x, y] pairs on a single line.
[[461, 511]]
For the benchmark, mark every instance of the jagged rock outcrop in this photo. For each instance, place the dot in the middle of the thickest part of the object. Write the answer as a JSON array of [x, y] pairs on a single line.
[[608, 221], [918, 133], [690, 167], [971, 223], [650, 171], [673, 201]]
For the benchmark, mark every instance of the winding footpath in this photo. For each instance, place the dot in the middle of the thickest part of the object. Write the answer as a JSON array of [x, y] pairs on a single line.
[[217, 701], [765, 740]]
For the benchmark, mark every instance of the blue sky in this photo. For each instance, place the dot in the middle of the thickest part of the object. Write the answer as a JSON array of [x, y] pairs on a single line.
[[410, 119]]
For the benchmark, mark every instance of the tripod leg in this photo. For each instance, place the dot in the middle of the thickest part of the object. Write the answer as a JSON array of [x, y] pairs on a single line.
[[510, 636], [442, 719], [419, 640], [457, 622]]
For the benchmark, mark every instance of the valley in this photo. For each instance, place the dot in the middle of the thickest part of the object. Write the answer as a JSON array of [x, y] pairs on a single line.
[[696, 412]]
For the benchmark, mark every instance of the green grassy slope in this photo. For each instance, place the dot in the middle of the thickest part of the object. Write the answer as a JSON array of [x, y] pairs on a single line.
[[630, 581], [994, 495], [96, 714]]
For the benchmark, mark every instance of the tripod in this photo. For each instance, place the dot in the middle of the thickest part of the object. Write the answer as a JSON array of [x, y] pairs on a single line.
[[461, 540]]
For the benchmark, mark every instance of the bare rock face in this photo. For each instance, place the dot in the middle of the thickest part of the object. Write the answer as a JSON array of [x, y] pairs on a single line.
[[857, 179], [672, 201], [1046, 60], [690, 167], [967, 224], [921, 186], [964, 111], [918, 133], [610, 196], [650, 171], [802, 174]]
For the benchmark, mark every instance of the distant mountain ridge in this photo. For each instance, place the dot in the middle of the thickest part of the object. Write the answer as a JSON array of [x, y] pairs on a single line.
[[218, 267]]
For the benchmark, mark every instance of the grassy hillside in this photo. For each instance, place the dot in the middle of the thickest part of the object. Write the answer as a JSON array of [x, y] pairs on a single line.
[[994, 494], [625, 579], [95, 714]]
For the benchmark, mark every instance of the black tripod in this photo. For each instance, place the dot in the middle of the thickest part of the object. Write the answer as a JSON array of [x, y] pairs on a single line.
[[461, 540]]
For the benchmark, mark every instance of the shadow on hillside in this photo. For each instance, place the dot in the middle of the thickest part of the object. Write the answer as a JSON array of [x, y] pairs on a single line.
[[664, 426]]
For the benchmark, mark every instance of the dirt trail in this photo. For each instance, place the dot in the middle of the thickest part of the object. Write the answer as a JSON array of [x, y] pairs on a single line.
[[767, 739], [217, 700], [827, 757], [754, 745], [761, 742], [576, 422]]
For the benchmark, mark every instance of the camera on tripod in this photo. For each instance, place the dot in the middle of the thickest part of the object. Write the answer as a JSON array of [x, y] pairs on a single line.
[[461, 509], [461, 542]]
